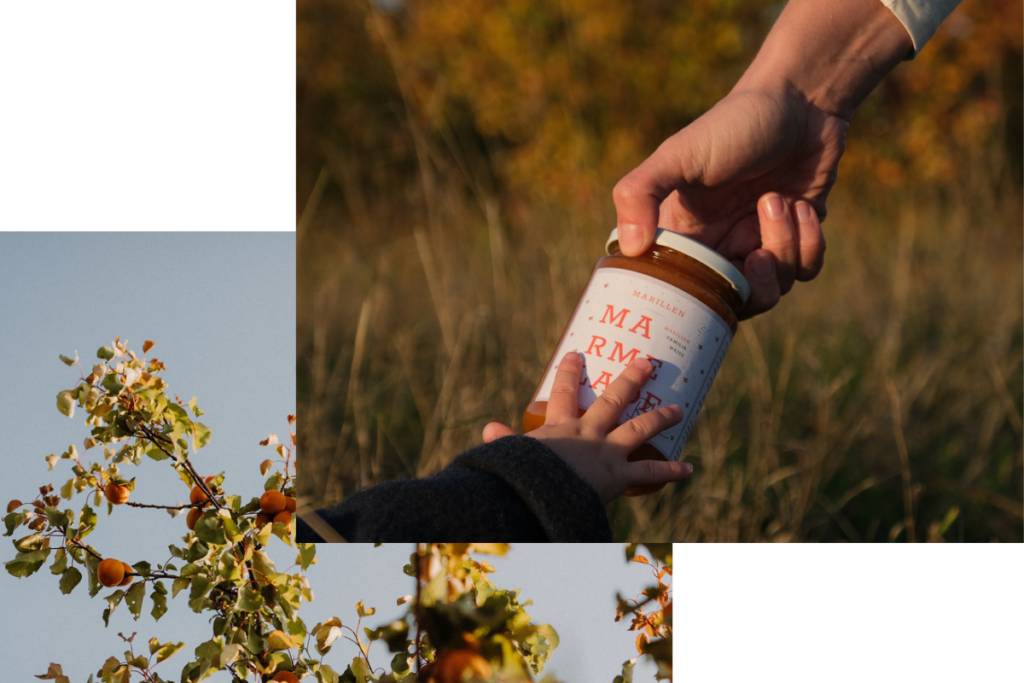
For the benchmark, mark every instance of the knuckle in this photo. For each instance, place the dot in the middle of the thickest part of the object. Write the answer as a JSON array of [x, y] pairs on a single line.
[[628, 189], [563, 390], [649, 470], [637, 429], [609, 402]]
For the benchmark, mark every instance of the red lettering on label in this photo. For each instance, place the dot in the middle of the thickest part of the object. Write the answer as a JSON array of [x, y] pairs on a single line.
[[604, 379], [595, 348], [656, 365], [615, 319], [644, 323], [650, 402], [625, 358]]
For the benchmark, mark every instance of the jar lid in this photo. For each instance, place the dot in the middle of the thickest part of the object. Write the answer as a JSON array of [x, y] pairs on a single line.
[[694, 249]]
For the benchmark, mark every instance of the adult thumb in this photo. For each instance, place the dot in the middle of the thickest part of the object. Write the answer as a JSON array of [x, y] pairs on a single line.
[[638, 196]]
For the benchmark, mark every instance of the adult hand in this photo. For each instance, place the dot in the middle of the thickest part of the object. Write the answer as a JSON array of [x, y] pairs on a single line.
[[749, 179]]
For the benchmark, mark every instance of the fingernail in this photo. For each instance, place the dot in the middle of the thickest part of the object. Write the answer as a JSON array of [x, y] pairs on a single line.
[[774, 206], [687, 468], [763, 267], [803, 212], [676, 411], [641, 364], [631, 238]]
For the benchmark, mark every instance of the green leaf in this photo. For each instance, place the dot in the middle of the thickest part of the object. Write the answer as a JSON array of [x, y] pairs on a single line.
[[168, 651], [26, 564], [328, 674], [249, 600], [491, 548], [231, 529], [200, 435], [66, 404], [400, 663], [361, 671], [54, 673], [307, 552], [197, 596], [55, 517], [60, 561], [113, 600], [282, 531], [627, 671], [159, 597], [105, 352], [66, 360], [179, 585], [87, 521], [13, 521], [112, 383], [70, 579], [210, 530], [190, 569], [157, 454]]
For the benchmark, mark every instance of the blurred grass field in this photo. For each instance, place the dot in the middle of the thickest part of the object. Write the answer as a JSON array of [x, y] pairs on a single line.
[[880, 402]]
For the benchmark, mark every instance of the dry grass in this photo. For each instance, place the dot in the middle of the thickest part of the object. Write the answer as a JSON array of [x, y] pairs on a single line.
[[880, 402]]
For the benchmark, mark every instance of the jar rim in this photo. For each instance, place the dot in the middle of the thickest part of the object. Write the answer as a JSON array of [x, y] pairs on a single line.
[[694, 249]]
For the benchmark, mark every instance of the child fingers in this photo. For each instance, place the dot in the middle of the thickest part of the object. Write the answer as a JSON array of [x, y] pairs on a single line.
[[606, 410], [565, 389], [496, 430], [654, 472], [644, 426]]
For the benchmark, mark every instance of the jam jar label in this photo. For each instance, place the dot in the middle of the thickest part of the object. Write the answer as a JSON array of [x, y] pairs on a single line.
[[625, 315]]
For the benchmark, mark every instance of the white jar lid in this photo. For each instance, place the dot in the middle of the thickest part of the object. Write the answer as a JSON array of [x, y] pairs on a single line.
[[694, 249]]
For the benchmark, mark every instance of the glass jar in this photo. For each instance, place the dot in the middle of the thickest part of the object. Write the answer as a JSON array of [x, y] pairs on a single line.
[[676, 305]]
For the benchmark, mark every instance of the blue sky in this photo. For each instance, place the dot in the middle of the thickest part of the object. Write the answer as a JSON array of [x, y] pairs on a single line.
[[572, 586], [220, 307]]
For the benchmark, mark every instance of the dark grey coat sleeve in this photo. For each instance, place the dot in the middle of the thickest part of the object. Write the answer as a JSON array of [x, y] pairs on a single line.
[[512, 489]]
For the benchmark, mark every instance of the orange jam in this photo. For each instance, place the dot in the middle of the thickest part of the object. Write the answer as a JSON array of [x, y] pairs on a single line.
[[677, 306]]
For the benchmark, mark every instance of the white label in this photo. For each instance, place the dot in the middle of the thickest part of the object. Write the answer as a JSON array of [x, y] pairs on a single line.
[[625, 315]]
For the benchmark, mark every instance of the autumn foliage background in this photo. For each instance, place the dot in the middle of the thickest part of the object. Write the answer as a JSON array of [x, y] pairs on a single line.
[[455, 166]]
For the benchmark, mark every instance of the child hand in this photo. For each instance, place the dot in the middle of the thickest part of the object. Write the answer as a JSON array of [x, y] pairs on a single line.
[[594, 445]]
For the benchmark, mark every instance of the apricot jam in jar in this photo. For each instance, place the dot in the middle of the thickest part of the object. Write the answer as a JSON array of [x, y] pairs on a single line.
[[676, 305]]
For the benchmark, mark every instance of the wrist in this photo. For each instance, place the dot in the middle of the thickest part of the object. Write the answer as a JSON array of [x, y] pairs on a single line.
[[829, 54]]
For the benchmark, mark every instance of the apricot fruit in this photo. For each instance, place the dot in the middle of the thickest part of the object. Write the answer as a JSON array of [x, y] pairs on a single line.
[[284, 517], [458, 666], [285, 676], [197, 496], [263, 519], [193, 516], [272, 502], [116, 493], [290, 504], [110, 572], [129, 575]]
